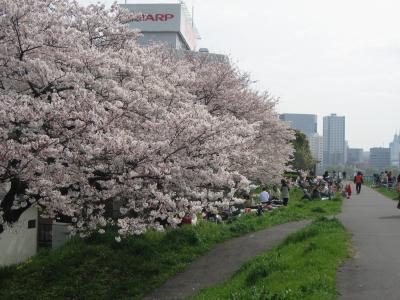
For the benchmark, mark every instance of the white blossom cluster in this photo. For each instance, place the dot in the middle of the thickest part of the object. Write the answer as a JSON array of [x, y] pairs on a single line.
[[89, 118]]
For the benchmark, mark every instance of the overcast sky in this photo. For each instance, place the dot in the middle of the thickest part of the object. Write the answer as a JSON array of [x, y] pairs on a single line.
[[317, 56]]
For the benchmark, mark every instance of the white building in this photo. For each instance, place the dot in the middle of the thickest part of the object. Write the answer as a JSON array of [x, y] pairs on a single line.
[[169, 23], [317, 150], [334, 140], [20, 242], [25, 237], [379, 158]]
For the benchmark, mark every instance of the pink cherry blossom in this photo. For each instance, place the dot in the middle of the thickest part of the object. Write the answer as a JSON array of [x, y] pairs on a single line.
[[91, 122]]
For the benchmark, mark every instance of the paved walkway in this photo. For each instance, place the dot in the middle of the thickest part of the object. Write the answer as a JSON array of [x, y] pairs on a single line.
[[374, 272], [222, 261]]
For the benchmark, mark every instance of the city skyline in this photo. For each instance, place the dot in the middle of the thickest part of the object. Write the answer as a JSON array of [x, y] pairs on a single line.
[[285, 116], [331, 148]]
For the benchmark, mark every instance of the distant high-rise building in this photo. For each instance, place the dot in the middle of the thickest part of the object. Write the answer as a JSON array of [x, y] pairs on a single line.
[[304, 123], [346, 149], [379, 158], [354, 156], [334, 140], [365, 158], [395, 151], [317, 150], [168, 23]]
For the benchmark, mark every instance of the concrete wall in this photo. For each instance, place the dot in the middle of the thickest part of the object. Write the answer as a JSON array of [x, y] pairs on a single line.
[[19, 243]]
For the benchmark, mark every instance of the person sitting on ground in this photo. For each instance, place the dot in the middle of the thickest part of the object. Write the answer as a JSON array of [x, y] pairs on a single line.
[[304, 184], [332, 187], [306, 195], [264, 196], [315, 193], [325, 192], [348, 190]]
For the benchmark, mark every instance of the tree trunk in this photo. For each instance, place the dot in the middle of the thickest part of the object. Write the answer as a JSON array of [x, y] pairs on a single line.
[[18, 187]]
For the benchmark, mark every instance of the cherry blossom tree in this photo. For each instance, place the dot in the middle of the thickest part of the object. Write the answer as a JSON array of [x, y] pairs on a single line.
[[89, 119], [226, 91]]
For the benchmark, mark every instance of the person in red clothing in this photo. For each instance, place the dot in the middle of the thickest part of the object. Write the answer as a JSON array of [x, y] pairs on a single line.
[[358, 180], [348, 190]]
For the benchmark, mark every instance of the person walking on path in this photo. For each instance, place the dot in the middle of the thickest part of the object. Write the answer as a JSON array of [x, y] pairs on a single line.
[[358, 180], [285, 192]]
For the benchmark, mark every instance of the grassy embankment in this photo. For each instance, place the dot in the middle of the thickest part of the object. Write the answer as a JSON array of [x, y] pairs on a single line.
[[388, 193], [302, 267], [100, 268]]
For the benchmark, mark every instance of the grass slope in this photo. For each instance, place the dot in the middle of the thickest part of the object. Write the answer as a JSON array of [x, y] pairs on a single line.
[[302, 267], [100, 268], [388, 193]]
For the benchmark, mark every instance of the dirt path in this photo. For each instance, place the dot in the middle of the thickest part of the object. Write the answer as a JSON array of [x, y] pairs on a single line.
[[374, 272], [222, 261]]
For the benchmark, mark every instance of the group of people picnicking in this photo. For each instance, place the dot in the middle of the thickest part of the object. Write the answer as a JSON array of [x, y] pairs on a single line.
[[314, 188], [320, 187], [276, 196], [386, 179]]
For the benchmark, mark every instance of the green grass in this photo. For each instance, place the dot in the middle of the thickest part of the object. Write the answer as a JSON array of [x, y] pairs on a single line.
[[100, 268], [302, 267], [392, 194], [388, 193]]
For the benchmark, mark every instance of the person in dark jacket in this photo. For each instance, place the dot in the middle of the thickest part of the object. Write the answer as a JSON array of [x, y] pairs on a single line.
[[358, 180], [285, 192]]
